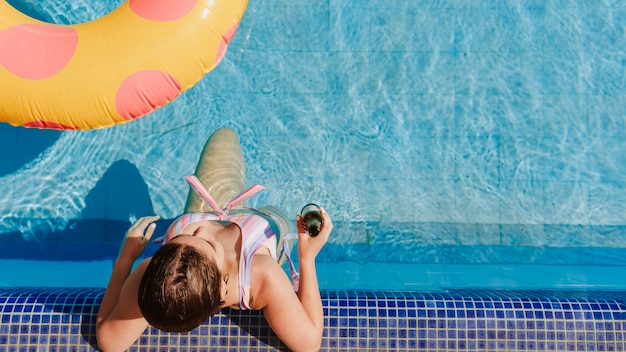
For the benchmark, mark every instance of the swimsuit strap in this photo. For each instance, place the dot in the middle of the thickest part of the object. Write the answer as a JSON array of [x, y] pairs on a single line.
[[295, 276], [195, 183]]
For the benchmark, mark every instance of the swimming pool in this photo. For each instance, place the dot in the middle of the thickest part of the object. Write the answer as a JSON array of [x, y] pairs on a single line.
[[435, 133], [457, 144]]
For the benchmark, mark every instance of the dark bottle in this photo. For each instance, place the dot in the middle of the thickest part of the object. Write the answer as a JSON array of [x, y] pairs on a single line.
[[311, 219]]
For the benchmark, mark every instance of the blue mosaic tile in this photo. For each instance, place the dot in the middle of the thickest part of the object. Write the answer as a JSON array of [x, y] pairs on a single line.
[[464, 320]]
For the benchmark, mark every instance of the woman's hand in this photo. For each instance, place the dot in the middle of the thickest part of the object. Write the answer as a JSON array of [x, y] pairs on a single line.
[[138, 237], [309, 247]]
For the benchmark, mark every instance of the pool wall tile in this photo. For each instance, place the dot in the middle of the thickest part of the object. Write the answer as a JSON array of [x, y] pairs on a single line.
[[60, 319]]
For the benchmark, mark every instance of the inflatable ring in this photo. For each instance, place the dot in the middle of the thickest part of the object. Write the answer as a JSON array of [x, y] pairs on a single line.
[[111, 70]]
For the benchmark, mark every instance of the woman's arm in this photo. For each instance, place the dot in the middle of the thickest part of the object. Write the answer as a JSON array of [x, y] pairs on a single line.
[[308, 248], [298, 320], [119, 315]]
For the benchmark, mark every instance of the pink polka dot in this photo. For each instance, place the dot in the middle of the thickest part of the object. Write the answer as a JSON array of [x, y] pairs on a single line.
[[37, 51], [226, 38], [144, 91], [49, 125], [162, 10]]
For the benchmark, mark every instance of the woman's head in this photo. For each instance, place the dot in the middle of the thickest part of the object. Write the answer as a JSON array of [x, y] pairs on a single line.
[[180, 288]]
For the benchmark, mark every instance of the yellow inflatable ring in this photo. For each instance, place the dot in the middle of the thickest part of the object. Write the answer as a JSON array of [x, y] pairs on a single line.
[[111, 70]]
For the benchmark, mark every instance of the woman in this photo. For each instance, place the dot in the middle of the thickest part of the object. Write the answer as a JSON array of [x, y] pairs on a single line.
[[216, 255]]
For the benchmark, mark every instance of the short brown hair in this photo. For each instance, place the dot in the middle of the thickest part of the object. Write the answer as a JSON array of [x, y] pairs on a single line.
[[180, 288]]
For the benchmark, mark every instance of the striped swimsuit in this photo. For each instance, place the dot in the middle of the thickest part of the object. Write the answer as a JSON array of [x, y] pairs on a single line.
[[256, 233]]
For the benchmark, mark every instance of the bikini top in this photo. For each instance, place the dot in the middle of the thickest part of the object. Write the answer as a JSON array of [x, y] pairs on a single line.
[[256, 233]]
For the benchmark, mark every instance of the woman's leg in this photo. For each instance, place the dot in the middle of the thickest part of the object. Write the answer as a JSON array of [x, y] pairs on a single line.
[[221, 169]]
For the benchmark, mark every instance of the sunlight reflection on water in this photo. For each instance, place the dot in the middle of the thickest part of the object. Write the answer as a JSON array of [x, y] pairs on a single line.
[[495, 119]]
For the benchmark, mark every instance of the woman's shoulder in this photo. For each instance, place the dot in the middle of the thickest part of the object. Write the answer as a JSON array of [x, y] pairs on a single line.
[[134, 279], [266, 275], [130, 291]]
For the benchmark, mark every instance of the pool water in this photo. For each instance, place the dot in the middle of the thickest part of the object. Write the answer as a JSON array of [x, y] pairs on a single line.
[[351, 275], [455, 144]]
